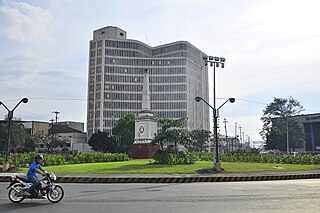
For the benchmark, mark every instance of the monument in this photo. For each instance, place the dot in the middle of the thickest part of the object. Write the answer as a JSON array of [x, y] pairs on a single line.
[[145, 126]]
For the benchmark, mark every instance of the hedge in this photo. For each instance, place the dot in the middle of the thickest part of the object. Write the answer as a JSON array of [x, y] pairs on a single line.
[[254, 157], [167, 157], [25, 159]]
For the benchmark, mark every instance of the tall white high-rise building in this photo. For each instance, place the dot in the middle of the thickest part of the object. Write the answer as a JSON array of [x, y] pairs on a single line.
[[116, 69]]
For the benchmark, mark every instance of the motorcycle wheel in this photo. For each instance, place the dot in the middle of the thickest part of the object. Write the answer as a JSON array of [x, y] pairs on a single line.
[[55, 195], [14, 196]]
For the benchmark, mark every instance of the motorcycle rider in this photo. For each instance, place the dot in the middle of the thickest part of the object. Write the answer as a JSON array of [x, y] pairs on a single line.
[[32, 173]]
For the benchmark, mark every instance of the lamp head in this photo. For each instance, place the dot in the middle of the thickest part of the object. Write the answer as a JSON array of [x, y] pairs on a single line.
[[232, 100], [25, 100], [198, 99]]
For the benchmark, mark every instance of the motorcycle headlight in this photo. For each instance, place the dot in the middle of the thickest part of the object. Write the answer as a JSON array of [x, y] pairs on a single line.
[[53, 176]]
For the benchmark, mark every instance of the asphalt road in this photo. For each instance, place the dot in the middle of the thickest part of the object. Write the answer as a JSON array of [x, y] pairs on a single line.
[[269, 196]]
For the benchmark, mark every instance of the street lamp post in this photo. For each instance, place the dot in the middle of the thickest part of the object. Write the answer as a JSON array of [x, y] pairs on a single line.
[[217, 164], [6, 164], [288, 147]]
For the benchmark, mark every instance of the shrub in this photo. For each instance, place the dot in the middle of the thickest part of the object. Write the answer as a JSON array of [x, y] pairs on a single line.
[[52, 160], [98, 157], [167, 157], [25, 159], [22, 159], [254, 157]]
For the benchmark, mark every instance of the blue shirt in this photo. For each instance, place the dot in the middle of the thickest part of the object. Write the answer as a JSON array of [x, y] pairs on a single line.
[[32, 170]]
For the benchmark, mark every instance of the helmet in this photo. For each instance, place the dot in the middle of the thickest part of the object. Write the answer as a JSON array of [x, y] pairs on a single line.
[[38, 156]]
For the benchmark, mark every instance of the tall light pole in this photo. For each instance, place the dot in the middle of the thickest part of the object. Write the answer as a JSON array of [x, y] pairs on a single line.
[[240, 133], [217, 164], [235, 133], [6, 164], [288, 147], [215, 62]]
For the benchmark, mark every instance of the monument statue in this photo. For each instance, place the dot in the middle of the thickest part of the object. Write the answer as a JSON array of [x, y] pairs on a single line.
[[145, 125]]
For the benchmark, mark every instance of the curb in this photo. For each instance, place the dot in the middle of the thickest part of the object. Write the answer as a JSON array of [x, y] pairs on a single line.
[[176, 179]]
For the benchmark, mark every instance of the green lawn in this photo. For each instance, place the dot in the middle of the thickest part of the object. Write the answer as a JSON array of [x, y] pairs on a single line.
[[143, 167]]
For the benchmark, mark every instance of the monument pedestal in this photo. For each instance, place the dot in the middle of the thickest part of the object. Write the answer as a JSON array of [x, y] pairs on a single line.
[[144, 150]]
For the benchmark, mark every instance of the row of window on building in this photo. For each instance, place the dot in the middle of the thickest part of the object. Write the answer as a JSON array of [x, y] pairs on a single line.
[[131, 88], [138, 97], [139, 79], [140, 71], [138, 105], [142, 62], [139, 62], [112, 116], [139, 46]]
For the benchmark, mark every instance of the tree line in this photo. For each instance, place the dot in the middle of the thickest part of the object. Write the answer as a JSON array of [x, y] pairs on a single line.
[[170, 136], [278, 124]]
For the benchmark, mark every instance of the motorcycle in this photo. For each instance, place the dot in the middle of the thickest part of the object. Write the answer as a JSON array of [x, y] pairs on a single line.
[[46, 188]]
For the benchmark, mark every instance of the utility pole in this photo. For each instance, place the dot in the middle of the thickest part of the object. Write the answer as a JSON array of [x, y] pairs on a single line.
[[244, 140], [57, 113], [235, 134], [225, 130], [240, 135], [51, 121]]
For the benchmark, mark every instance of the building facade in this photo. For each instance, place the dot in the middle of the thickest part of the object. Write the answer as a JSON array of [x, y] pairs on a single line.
[[70, 131], [115, 80], [310, 124]]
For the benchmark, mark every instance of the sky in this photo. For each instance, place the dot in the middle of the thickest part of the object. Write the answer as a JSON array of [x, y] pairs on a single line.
[[272, 49]]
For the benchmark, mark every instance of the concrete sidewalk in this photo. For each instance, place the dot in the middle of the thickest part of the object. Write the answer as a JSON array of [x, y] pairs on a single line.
[[176, 178]]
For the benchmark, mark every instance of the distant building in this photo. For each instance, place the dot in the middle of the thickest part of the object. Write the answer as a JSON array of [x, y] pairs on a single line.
[[115, 80], [310, 125], [226, 144], [70, 131], [76, 140], [34, 127], [258, 144]]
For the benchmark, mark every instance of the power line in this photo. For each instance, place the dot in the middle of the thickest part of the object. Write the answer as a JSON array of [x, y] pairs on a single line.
[[256, 102], [85, 99], [61, 99]]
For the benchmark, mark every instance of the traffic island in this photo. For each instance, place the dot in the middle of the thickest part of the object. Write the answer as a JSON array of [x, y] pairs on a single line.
[[162, 178]]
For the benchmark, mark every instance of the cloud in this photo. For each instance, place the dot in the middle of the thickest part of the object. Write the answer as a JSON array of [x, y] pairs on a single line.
[[23, 22]]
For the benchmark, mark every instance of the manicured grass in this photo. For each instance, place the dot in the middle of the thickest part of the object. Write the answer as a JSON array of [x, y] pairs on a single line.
[[143, 167]]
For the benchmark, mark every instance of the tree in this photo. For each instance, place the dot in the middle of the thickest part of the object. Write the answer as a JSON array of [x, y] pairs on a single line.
[[3, 137], [51, 144], [123, 132], [30, 144], [277, 119], [201, 139], [103, 142], [172, 133], [18, 136]]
